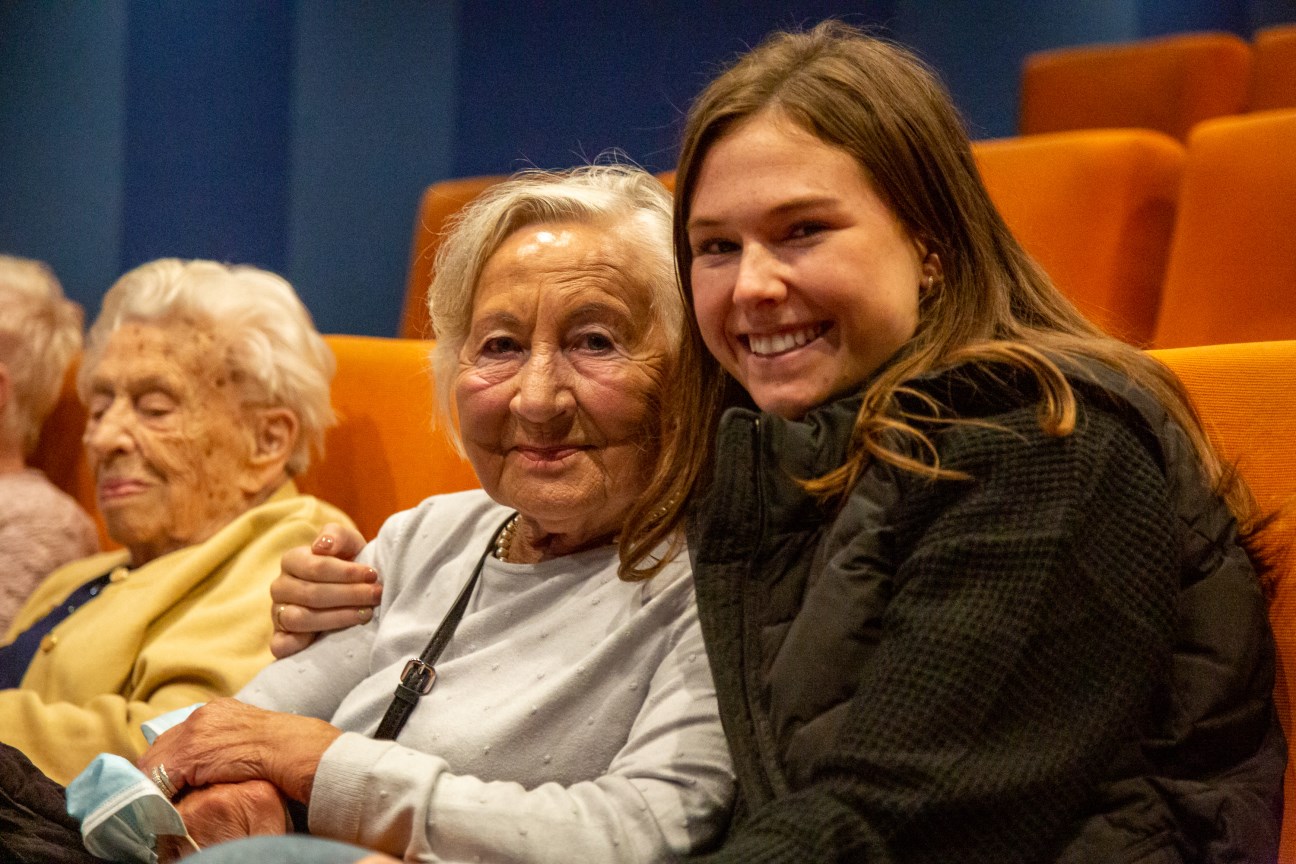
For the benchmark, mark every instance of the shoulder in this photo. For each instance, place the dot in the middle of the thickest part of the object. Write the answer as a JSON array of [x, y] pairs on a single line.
[[29, 497], [435, 532]]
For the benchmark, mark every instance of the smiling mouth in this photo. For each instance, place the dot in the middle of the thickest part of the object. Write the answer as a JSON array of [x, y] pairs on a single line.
[[768, 345], [112, 489], [548, 455]]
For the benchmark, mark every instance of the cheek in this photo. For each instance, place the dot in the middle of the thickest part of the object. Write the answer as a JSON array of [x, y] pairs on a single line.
[[482, 402], [711, 308]]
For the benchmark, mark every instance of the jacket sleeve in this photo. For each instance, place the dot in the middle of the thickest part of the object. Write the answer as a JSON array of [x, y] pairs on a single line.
[[665, 792], [206, 643], [1032, 607]]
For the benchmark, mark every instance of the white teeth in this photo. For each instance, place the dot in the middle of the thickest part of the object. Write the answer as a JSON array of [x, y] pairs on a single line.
[[780, 342]]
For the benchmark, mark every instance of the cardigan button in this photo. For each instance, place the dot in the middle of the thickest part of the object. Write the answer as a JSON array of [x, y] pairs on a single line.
[[48, 643]]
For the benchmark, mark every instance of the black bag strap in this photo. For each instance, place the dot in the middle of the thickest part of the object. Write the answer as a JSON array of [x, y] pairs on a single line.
[[419, 674]]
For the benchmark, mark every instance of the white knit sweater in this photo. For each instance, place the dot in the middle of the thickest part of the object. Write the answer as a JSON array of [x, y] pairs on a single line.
[[573, 718]]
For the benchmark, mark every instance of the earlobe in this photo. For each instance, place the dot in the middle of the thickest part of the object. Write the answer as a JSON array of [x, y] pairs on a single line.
[[932, 271], [6, 387]]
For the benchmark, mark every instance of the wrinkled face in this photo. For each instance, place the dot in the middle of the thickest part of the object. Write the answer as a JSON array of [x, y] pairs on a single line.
[[804, 281], [556, 378], [167, 438]]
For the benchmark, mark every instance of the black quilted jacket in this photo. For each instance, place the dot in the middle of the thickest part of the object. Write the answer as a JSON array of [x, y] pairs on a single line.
[[1065, 657]]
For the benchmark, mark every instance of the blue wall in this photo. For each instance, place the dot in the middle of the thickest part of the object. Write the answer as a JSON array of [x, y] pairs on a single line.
[[299, 134]]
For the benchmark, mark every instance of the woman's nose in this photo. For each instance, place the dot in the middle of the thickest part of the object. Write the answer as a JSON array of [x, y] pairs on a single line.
[[759, 278], [110, 432], [544, 390]]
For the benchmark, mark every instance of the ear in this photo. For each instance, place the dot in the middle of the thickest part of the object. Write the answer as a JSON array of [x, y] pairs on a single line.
[[274, 437], [6, 387], [933, 272]]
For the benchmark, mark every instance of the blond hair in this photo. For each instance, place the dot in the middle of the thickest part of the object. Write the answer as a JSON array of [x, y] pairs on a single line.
[[40, 334]]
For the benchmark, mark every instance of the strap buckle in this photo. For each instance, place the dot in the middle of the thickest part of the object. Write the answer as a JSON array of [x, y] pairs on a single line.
[[418, 676]]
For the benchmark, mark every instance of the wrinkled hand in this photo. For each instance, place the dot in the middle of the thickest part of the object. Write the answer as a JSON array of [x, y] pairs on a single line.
[[227, 811], [320, 588], [228, 741]]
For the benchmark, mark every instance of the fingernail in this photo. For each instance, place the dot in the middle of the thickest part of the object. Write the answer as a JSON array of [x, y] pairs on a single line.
[[363, 614], [323, 543], [371, 575]]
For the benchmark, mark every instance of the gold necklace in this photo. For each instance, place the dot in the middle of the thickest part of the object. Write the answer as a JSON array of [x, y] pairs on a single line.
[[505, 541]]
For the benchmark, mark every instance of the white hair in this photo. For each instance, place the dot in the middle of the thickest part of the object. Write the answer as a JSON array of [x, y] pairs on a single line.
[[621, 198], [40, 334], [273, 344]]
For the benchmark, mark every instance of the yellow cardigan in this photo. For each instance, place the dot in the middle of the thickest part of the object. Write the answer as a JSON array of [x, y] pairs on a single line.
[[186, 627]]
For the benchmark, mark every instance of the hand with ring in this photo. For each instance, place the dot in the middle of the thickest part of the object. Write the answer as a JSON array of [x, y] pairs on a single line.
[[321, 588], [228, 741], [163, 781]]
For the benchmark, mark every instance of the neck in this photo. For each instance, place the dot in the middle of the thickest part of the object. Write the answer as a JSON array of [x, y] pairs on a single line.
[[531, 543]]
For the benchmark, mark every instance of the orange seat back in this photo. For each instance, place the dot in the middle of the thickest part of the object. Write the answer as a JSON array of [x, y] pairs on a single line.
[[1232, 270], [384, 455], [1273, 76], [440, 202], [60, 454], [1096, 209], [1246, 397], [1168, 84]]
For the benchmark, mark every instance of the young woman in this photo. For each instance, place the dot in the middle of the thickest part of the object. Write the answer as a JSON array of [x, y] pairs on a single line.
[[973, 583]]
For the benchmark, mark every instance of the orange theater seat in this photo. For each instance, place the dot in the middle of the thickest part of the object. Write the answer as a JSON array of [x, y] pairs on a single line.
[[1246, 397], [1232, 270], [1096, 209], [1273, 77], [1168, 84], [440, 202], [384, 455], [60, 455]]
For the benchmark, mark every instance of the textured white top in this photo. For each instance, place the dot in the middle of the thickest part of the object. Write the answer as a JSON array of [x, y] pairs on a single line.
[[573, 718]]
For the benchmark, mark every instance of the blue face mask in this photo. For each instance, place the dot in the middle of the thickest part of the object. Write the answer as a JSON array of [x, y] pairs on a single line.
[[122, 811]]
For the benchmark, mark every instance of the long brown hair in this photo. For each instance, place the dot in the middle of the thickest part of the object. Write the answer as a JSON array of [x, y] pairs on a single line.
[[882, 105]]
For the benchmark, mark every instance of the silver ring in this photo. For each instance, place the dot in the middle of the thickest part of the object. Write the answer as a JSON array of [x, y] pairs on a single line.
[[164, 782]]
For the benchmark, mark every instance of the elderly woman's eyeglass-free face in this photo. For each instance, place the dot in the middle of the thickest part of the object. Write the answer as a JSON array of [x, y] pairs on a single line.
[[167, 438], [558, 377]]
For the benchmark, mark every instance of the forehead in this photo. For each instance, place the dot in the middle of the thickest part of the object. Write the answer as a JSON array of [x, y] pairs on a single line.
[[560, 265], [177, 350], [767, 159]]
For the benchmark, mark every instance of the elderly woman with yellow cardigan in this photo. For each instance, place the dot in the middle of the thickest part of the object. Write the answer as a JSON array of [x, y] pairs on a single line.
[[206, 387]]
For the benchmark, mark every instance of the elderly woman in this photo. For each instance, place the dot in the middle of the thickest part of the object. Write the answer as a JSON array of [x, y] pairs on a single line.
[[41, 526], [206, 387], [570, 715]]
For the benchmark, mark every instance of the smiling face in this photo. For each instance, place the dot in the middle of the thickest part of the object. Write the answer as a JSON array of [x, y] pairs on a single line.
[[557, 379], [804, 281], [167, 439]]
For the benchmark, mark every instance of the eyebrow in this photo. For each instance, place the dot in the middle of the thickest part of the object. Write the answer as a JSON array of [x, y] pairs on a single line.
[[794, 205], [147, 384]]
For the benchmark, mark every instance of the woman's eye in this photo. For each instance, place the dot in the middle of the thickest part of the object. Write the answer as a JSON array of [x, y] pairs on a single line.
[[714, 246], [500, 346], [155, 406], [806, 229], [598, 343]]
